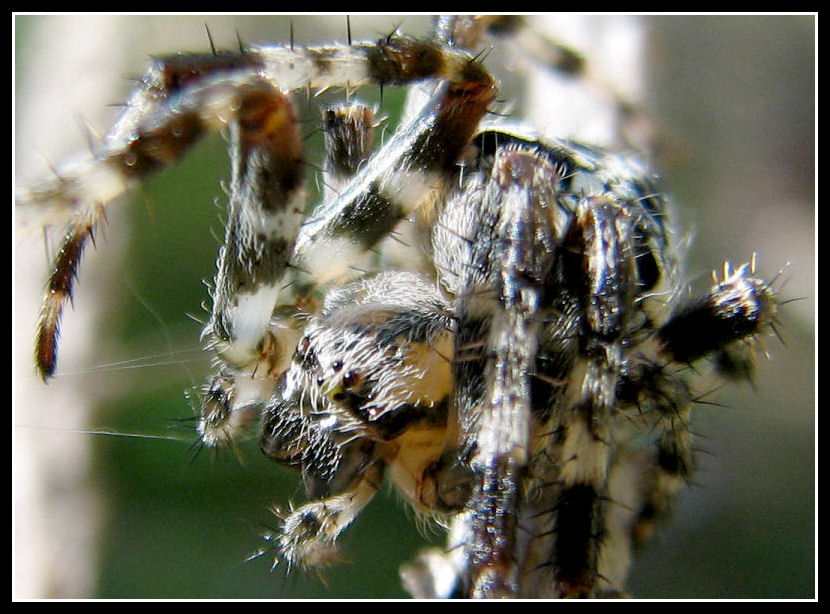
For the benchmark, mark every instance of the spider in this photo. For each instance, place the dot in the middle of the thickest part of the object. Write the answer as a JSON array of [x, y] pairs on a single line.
[[333, 393]]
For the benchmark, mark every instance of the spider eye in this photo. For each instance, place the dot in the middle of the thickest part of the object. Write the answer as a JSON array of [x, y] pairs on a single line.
[[351, 379]]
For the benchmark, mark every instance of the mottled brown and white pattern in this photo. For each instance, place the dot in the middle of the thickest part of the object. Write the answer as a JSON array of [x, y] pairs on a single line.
[[518, 390]]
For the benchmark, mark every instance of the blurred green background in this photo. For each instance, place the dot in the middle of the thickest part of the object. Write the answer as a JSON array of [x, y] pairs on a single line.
[[733, 99]]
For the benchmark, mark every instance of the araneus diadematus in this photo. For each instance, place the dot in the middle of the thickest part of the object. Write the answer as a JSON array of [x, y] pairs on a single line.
[[488, 143]]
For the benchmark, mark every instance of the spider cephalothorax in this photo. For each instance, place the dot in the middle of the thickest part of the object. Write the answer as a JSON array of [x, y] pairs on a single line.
[[510, 370]]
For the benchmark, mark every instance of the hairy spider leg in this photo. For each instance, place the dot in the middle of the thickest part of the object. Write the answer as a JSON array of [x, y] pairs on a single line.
[[266, 207], [725, 321], [500, 304], [182, 97], [232, 403]]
